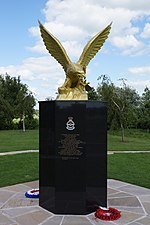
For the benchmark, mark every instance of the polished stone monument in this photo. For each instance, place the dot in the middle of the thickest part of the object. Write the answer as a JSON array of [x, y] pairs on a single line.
[[73, 156]]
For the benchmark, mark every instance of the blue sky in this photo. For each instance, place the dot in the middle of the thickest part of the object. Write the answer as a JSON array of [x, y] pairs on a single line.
[[125, 54], [16, 17]]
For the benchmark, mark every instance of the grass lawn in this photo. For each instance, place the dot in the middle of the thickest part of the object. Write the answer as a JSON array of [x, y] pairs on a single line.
[[132, 168], [134, 140], [13, 140], [18, 168], [131, 143]]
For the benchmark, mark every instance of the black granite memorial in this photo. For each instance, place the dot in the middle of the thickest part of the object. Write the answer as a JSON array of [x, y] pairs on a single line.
[[73, 156]]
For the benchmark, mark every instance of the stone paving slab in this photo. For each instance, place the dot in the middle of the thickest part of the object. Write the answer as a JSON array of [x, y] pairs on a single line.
[[53, 220], [131, 200], [133, 189], [33, 218]]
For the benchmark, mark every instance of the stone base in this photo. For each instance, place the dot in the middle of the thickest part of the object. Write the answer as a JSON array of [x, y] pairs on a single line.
[[73, 156]]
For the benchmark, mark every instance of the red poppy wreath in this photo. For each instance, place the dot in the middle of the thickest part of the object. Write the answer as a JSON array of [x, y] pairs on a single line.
[[108, 214]]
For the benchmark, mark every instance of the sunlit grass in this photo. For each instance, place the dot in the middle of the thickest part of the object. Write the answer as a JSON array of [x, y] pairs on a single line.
[[134, 140], [14, 140], [132, 168], [18, 168]]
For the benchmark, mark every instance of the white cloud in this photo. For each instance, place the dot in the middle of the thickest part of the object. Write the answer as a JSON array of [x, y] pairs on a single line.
[[139, 85], [34, 31], [132, 5], [125, 42], [74, 23], [140, 70], [129, 45], [136, 84], [32, 68], [41, 74], [38, 48], [146, 31]]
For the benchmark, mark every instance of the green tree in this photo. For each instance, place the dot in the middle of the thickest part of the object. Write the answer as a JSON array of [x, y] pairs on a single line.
[[17, 101], [6, 110], [105, 92], [122, 103], [126, 101], [92, 94], [144, 111]]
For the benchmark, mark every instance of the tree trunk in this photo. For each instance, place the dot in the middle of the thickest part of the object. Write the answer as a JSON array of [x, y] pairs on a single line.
[[23, 123], [122, 132]]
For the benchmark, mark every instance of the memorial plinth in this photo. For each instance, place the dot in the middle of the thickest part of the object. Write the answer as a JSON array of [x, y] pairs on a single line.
[[73, 156]]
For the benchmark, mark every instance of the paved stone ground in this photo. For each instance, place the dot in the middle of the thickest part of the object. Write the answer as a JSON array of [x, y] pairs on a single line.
[[131, 200]]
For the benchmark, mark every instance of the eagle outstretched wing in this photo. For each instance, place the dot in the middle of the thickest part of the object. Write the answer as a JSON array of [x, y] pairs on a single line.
[[54, 47], [93, 46]]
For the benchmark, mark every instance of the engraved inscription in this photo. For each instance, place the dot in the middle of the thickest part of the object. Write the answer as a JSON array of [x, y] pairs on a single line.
[[70, 145]]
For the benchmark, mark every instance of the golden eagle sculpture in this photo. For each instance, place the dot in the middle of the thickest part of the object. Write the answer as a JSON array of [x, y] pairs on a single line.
[[75, 86]]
